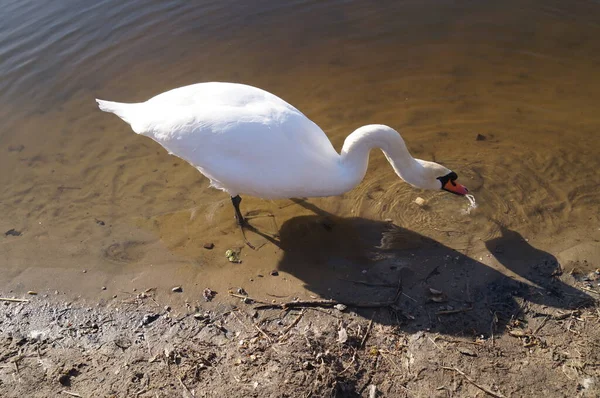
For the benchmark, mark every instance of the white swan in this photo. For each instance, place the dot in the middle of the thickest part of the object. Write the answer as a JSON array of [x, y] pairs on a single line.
[[249, 141]]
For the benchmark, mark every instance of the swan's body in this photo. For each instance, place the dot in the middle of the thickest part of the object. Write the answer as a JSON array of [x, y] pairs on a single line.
[[248, 141]]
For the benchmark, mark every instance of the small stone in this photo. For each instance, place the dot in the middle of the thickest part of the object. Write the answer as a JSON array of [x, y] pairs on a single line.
[[167, 308], [274, 273], [480, 137], [340, 307], [467, 352], [208, 294], [13, 232], [420, 201], [115, 296], [103, 287], [517, 333], [307, 365], [241, 291], [199, 316], [209, 246], [31, 292], [177, 289], [85, 271], [149, 318], [388, 220]]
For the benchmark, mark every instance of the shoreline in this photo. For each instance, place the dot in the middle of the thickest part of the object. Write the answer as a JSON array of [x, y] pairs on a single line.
[[226, 347]]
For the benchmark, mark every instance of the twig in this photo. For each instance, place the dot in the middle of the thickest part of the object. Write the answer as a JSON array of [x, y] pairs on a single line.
[[185, 387], [263, 333], [330, 303], [323, 303], [73, 394], [450, 312], [482, 388], [248, 298], [541, 325], [287, 329], [14, 300], [406, 295], [239, 320], [459, 341], [367, 283], [364, 339], [589, 290]]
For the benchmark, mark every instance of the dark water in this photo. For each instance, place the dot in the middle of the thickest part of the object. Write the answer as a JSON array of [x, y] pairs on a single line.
[[88, 193]]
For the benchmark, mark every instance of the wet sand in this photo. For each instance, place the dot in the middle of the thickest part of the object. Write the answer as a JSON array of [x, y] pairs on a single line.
[[87, 194]]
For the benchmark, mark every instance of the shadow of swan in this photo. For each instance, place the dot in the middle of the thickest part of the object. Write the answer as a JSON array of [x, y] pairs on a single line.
[[360, 260]]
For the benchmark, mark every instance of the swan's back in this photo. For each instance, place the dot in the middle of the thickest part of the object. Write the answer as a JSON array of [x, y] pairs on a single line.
[[244, 139]]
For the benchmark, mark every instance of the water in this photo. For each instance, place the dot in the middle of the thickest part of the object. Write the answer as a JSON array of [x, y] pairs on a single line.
[[472, 204], [89, 194]]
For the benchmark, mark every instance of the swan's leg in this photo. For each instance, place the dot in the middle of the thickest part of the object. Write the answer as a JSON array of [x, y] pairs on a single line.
[[240, 219]]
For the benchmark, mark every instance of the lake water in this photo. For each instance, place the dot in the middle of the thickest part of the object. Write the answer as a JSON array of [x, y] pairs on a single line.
[[87, 194]]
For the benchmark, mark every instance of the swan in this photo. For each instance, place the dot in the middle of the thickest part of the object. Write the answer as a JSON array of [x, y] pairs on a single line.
[[248, 141]]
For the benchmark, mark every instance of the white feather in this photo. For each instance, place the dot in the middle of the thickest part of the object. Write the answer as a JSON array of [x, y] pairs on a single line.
[[248, 141]]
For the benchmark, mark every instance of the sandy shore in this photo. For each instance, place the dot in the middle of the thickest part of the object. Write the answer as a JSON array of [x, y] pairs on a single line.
[[134, 346]]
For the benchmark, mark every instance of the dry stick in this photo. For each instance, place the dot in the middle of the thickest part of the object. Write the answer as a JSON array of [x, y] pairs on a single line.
[[542, 325], [73, 394], [329, 303], [367, 283], [184, 386], [263, 333], [459, 341], [364, 339], [287, 329], [14, 300], [450, 312], [589, 290], [484, 389], [249, 298]]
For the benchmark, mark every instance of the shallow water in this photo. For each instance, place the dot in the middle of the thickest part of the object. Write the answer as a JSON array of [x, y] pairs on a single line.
[[504, 93]]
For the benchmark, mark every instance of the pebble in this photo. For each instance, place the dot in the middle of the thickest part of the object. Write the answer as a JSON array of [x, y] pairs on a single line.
[[480, 137], [103, 287], [340, 307], [420, 201], [85, 271], [274, 273], [32, 292], [209, 246], [177, 289], [149, 318]]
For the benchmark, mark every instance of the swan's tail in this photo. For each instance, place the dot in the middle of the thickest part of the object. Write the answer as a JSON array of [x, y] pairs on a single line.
[[128, 112]]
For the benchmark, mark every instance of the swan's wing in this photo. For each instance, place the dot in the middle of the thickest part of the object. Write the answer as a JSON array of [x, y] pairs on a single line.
[[243, 138]]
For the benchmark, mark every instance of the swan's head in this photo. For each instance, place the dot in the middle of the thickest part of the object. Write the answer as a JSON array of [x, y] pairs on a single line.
[[435, 176]]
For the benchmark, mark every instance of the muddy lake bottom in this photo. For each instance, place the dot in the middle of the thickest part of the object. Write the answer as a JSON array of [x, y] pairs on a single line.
[[231, 346]]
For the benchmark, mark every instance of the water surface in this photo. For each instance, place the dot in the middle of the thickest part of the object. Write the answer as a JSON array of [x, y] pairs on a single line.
[[89, 194]]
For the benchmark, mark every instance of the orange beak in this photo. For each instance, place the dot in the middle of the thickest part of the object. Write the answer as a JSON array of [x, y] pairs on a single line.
[[455, 188]]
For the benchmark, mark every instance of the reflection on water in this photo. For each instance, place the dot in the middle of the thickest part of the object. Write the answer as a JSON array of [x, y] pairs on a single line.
[[504, 93]]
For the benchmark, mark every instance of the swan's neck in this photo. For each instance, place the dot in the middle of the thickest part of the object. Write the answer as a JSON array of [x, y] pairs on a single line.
[[355, 154]]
